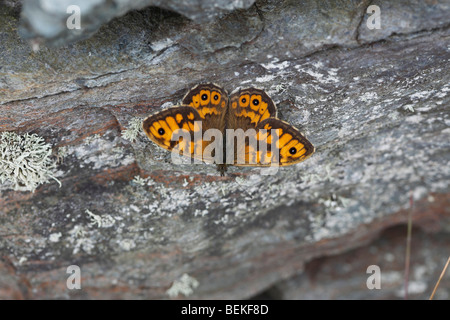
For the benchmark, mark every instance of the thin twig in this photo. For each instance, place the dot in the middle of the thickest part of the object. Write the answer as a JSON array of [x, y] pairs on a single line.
[[408, 245], [442, 275]]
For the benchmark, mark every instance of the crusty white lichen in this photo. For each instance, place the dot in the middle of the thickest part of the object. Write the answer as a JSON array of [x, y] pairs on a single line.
[[104, 221], [127, 244], [100, 151], [25, 161], [138, 180], [185, 286], [133, 130]]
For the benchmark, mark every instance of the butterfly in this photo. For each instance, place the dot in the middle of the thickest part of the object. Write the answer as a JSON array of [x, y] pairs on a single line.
[[265, 140]]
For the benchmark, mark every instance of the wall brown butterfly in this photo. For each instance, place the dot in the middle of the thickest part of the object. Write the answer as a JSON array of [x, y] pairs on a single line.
[[208, 106]]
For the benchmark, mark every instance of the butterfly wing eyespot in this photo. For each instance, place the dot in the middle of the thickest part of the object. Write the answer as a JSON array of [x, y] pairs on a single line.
[[244, 100], [255, 102], [215, 98], [205, 97]]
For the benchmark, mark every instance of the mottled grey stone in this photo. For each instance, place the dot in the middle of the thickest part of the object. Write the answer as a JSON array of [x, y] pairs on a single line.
[[345, 277], [403, 17], [376, 112], [45, 20]]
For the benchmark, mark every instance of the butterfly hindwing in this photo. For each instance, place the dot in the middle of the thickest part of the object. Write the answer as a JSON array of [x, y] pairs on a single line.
[[275, 142], [211, 103], [291, 144], [248, 107]]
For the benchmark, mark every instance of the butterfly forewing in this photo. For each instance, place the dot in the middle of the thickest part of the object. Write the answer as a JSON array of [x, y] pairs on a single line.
[[178, 129], [290, 145], [248, 107]]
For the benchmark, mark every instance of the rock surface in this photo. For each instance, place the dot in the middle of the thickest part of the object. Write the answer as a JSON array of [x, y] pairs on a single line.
[[375, 103], [47, 20], [344, 276]]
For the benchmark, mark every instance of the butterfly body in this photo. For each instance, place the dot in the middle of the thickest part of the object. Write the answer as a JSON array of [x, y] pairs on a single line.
[[207, 114]]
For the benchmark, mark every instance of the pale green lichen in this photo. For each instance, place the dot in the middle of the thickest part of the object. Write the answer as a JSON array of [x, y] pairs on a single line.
[[91, 139], [78, 231], [127, 244], [25, 161], [185, 285], [409, 107], [139, 181], [104, 221], [133, 130]]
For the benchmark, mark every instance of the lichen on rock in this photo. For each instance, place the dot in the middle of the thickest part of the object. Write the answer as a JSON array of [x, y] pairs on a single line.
[[25, 161]]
